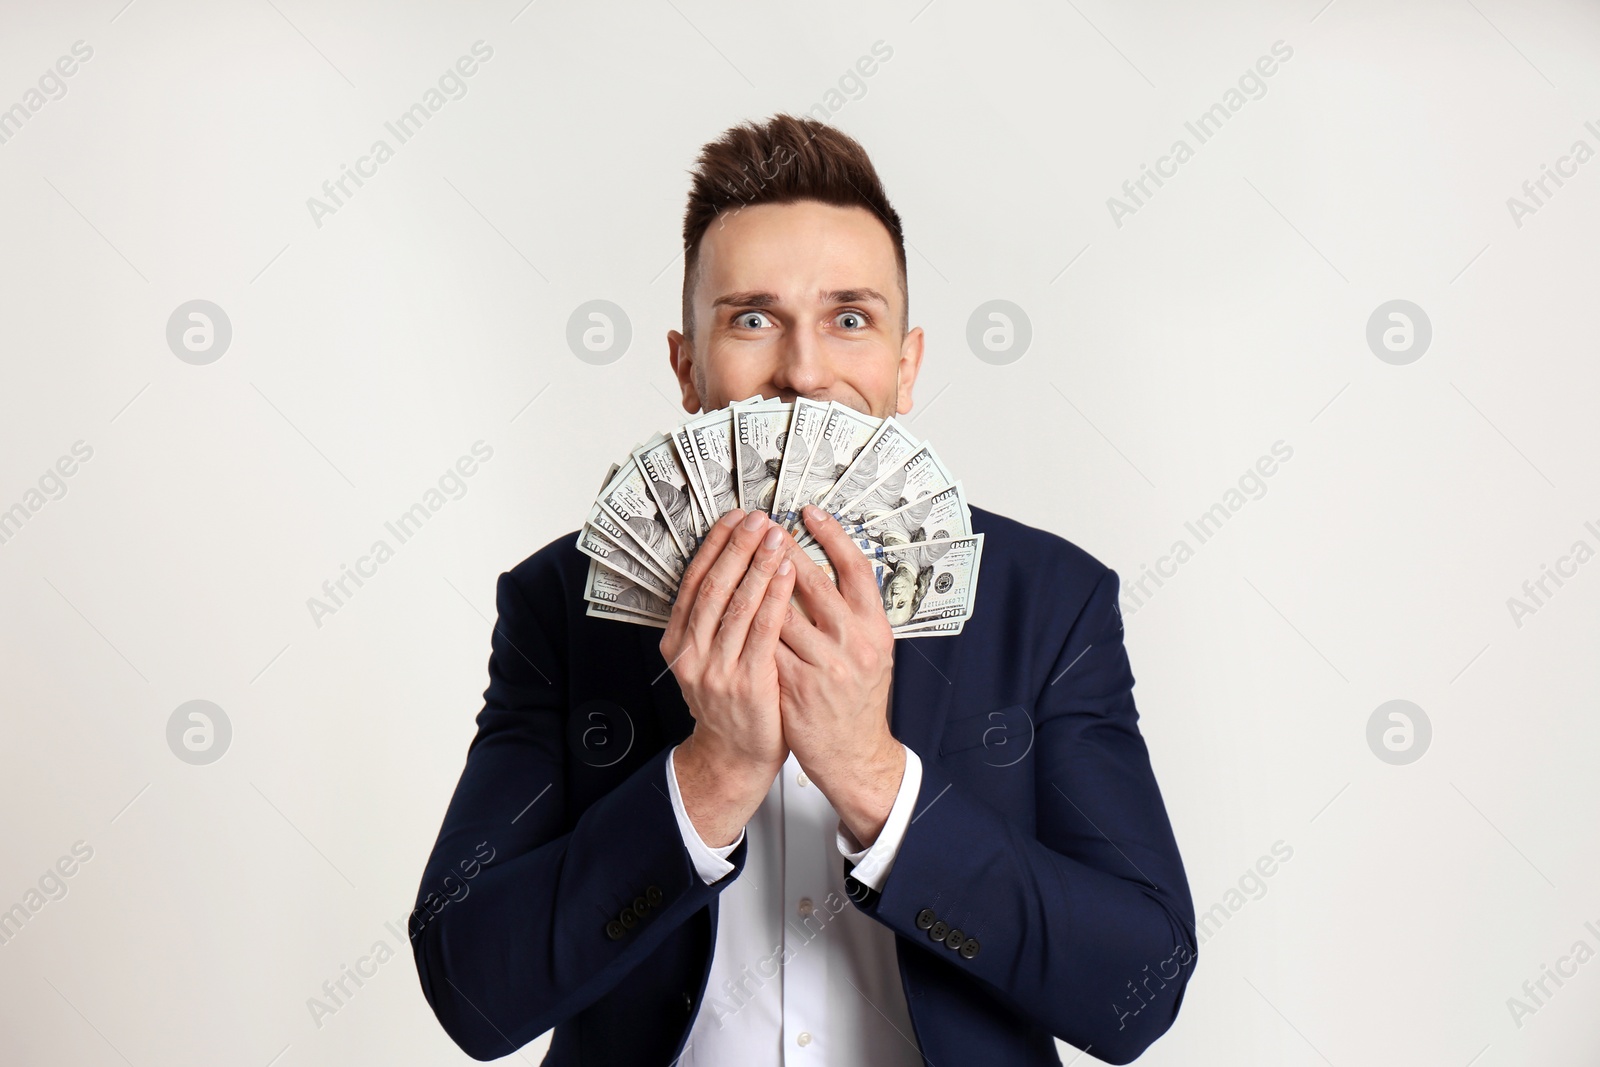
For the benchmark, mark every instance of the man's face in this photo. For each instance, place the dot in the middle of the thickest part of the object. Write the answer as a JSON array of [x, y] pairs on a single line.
[[798, 299]]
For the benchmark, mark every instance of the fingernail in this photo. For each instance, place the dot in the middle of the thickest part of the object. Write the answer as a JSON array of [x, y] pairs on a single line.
[[754, 520], [785, 567], [812, 512], [773, 538], [731, 517]]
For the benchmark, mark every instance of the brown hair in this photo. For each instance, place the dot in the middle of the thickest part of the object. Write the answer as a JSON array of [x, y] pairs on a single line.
[[778, 162]]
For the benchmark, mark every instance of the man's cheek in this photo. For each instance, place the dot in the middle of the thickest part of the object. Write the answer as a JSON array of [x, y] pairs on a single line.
[[733, 375]]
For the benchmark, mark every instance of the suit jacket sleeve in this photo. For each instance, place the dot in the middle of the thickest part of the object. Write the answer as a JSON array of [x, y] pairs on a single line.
[[1085, 925], [510, 946]]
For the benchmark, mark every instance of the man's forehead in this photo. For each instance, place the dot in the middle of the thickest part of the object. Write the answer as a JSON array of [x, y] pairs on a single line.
[[824, 247]]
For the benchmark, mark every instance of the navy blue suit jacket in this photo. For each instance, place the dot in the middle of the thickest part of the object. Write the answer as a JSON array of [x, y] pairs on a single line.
[[559, 892]]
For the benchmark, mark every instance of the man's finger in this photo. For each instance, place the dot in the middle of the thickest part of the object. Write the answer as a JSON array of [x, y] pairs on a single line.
[[737, 617], [856, 584], [802, 638], [710, 599], [768, 622], [710, 548], [790, 661], [822, 602]]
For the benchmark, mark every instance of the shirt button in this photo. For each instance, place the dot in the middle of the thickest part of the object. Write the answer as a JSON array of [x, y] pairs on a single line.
[[803, 780], [805, 906], [803, 1039]]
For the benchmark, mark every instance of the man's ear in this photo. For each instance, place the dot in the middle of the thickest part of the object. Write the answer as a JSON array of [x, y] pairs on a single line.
[[910, 365], [681, 355]]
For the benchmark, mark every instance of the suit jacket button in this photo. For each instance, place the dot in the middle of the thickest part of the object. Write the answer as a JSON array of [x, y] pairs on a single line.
[[653, 895], [614, 930], [969, 948], [955, 939], [640, 906], [629, 918], [939, 930], [925, 918], [688, 1002]]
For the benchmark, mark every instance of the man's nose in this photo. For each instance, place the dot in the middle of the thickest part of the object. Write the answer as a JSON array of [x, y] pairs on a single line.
[[803, 366]]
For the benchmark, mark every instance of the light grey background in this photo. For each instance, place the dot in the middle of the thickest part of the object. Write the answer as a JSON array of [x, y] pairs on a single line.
[[1167, 354]]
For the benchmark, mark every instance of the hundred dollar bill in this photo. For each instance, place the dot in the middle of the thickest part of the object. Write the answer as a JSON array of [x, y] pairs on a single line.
[[669, 488], [845, 431], [606, 552], [757, 400], [761, 432], [950, 622], [608, 587], [818, 555], [684, 449], [919, 476], [925, 585], [711, 444], [942, 628], [889, 447], [627, 500], [610, 611], [874, 551], [805, 426], [923, 581], [603, 522], [943, 515]]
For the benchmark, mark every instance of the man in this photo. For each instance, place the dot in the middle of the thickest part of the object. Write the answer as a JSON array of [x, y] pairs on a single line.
[[984, 801]]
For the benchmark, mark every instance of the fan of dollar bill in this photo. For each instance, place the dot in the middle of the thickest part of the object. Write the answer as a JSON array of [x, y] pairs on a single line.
[[889, 491]]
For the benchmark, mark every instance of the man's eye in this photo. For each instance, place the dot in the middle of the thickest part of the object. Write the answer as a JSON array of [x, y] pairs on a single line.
[[851, 320], [751, 320]]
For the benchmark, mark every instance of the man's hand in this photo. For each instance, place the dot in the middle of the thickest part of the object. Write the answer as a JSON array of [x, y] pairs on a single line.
[[720, 644], [834, 672]]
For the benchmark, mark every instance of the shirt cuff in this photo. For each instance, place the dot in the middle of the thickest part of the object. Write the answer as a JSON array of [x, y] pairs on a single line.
[[872, 863], [711, 863]]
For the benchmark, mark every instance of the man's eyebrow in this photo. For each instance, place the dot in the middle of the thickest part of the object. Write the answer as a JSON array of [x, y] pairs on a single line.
[[759, 299], [854, 296], [752, 299]]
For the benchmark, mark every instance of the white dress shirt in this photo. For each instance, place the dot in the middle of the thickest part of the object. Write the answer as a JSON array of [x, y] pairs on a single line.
[[798, 974]]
